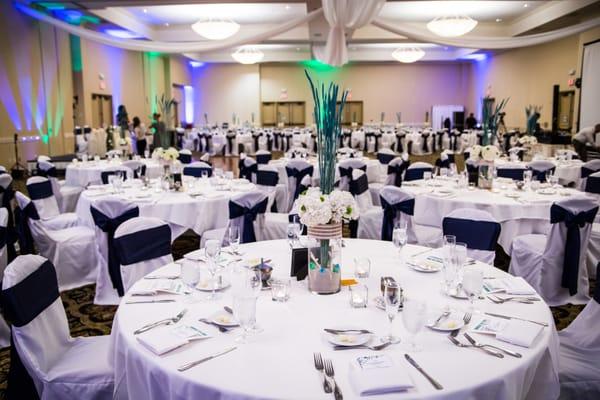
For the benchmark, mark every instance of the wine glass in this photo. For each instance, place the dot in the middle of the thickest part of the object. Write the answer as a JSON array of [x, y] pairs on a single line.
[[213, 249], [204, 174], [460, 257], [527, 176], [449, 267], [291, 234], [233, 236], [146, 154], [392, 296], [254, 283], [244, 311], [399, 238], [190, 276], [362, 267], [111, 182], [298, 226], [414, 316], [472, 283], [427, 176]]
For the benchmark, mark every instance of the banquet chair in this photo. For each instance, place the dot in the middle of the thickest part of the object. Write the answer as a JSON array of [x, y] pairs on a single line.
[[445, 160], [4, 328], [516, 152], [593, 253], [346, 167], [587, 169], [540, 169], [263, 156], [7, 196], [246, 212], [108, 215], [579, 354], [66, 195], [554, 264], [478, 229], [142, 245], [394, 171], [71, 249], [247, 166], [417, 170], [296, 170], [138, 168], [125, 172], [267, 181], [185, 156], [196, 169], [510, 171], [359, 188], [46, 362], [385, 155], [42, 195]]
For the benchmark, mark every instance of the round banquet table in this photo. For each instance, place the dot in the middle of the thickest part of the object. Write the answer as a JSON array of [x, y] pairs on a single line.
[[568, 171], [89, 172], [202, 208], [530, 213], [278, 362]]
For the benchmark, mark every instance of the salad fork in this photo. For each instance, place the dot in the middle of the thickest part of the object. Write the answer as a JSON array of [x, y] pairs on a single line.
[[337, 393], [166, 321], [477, 344], [318, 360], [489, 351]]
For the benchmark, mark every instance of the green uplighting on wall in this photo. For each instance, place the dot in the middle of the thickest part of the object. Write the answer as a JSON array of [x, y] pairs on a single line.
[[76, 61], [318, 65], [51, 5]]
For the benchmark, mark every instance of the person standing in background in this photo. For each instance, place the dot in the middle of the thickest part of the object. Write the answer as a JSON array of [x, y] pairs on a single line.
[[447, 124], [471, 121], [123, 120], [161, 136], [583, 138], [140, 135]]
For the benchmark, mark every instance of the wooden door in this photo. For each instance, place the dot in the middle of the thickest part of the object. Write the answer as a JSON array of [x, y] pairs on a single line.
[[283, 113], [356, 112], [107, 111], [565, 110], [269, 114], [96, 111], [298, 113]]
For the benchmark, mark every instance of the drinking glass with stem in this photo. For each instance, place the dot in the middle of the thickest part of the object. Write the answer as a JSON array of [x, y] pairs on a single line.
[[213, 250], [400, 236], [190, 276], [233, 237], [392, 296], [244, 311], [414, 317], [472, 283]]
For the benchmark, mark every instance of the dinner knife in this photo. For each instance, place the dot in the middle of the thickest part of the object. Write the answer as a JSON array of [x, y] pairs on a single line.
[[151, 301], [422, 371], [519, 318], [187, 366]]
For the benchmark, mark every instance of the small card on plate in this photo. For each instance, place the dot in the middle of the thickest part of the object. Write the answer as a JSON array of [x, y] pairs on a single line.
[[508, 285], [378, 374]]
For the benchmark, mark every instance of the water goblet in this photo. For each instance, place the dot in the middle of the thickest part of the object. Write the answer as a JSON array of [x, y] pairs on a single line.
[[213, 249], [244, 311], [233, 236], [204, 175], [414, 317], [392, 297], [399, 238], [190, 276], [472, 283], [291, 234]]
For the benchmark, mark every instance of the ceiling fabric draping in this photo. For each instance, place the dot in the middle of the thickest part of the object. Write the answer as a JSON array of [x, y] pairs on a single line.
[[170, 47], [344, 15], [488, 43]]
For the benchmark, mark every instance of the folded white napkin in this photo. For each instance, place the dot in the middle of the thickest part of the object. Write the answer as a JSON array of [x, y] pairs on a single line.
[[521, 333], [509, 285], [152, 287], [166, 338], [378, 374]]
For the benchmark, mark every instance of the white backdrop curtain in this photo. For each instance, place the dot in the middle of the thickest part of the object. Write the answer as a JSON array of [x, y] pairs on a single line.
[[342, 15], [169, 47], [491, 42]]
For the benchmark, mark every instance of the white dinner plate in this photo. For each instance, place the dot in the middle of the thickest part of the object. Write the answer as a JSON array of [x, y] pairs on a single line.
[[425, 266], [547, 191], [206, 286], [447, 324], [348, 339], [224, 319], [143, 195], [513, 195]]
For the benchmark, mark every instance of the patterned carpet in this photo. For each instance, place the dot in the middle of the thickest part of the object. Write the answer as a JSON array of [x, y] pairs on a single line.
[[87, 319]]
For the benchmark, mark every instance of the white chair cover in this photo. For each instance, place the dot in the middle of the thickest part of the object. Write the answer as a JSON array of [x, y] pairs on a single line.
[[72, 249], [42, 194], [114, 168], [579, 362], [61, 367], [415, 171], [143, 245], [109, 214], [296, 165], [539, 259], [359, 187], [267, 181], [133, 165], [196, 168], [480, 231], [587, 169], [185, 156], [66, 195], [542, 168], [345, 168], [4, 329]]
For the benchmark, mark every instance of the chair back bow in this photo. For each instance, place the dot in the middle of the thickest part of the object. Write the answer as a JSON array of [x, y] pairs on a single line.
[[390, 211], [347, 171], [263, 158], [49, 172], [143, 245], [109, 226], [298, 174], [413, 174], [246, 171], [196, 172], [397, 170], [249, 213], [592, 184], [477, 235], [359, 185], [185, 158], [267, 178], [40, 190], [425, 145], [105, 174], [385, 158], [573, 222]]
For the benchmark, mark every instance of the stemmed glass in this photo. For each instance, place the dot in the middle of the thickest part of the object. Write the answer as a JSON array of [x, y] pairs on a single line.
[[393, 298], [414, 316], [449, 265], [255, 284], [298, 227], [527, 176], [190, 276], [291, 234], [362, 268], [233, 236], [460, 257], [472, 283], [244, 311], [400, 237], [213, 250]]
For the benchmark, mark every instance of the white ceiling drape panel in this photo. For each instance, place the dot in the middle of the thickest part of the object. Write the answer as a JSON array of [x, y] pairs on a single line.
[[170, 47], [492, 42], [344, 15]]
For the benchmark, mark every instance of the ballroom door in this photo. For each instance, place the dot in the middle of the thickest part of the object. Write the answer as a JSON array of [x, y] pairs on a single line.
[[565, 110], [102, 110]]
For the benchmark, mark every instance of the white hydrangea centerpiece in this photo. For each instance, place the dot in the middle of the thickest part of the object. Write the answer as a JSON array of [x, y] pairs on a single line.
[[489, 153], [316, 208], [528, 140]]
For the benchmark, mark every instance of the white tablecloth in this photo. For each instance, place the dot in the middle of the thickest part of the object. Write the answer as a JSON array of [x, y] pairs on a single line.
[[85, 173], [528, 214], [567, 171], [278, 363], [180, 210]]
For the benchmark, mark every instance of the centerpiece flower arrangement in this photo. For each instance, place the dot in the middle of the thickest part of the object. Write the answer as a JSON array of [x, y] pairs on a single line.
[[323, 209], [486, 156], [527, 140]]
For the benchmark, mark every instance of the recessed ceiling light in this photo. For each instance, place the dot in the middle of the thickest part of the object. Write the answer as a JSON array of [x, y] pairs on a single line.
[[287, 7], [525, 5], [498, 19], [166, 24], [145, 10], [297, 48]]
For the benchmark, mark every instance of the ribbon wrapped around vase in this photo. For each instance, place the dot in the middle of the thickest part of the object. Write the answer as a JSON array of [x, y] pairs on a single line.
[[573, 222]]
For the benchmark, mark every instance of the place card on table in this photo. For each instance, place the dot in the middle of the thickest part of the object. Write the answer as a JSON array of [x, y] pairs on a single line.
[[299, 263], [164, 339], [153, 287], [508, 285], [517, 332], [378, 374]]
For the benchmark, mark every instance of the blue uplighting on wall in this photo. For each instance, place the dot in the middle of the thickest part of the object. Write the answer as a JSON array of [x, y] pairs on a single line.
[[188, 93], [480, 64], [196, 64], [69, 16]]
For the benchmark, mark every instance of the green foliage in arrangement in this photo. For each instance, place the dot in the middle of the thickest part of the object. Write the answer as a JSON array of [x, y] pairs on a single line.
[[491, 118]]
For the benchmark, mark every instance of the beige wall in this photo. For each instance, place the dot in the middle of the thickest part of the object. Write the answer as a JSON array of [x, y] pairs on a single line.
[[223, 89], [411, 89]]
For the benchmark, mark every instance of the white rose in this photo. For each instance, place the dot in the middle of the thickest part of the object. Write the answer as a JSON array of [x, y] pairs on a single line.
[[489, 153]]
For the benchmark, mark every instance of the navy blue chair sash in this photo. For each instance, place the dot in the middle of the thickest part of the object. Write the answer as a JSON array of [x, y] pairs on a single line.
[[24, 236], [367, 136], [185, 158], [442, 163], [573, 222], [105, 174], [389, 214], [142, 172], [397, 170], [263, 158], [3, 236], [247, 171], [276, 136], [109, 226], [511, 173], [597, 290], [347, 171], [585, 172], [478, 235], [287, 142], [50, 172], [385, 158], [399, 146], [413, 174], [230, 143], [40, 190], [473, 172], [360, 185], [255, 137], [541, 175], [143, 245], [8, 195], [249, 214], [267, 178], [299, 174], [592, 185], [196, 172], [424, 137]]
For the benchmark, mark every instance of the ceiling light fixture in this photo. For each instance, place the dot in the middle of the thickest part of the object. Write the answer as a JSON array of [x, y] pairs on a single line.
[[525, 5], [248, 55], [408, 54], [145, 10], [216, 29], [451, 26], [498, 19]]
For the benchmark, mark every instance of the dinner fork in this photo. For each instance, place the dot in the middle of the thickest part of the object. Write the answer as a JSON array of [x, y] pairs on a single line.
[[319, 367], [500, 300], [166, 321], [376, 347], [489, 351], [337, 393], [478, 344], [466, 319]]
